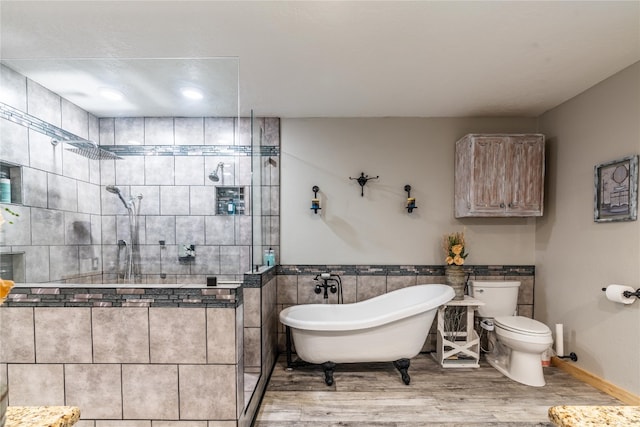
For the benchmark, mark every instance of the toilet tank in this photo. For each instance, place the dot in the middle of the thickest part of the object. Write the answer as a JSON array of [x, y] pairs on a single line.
[[500, 297]]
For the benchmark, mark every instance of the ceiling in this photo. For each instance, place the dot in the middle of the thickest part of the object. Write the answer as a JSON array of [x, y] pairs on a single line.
[[322, 58]]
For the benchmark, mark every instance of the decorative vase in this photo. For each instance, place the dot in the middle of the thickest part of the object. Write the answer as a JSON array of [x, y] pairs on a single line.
[[456, 277]]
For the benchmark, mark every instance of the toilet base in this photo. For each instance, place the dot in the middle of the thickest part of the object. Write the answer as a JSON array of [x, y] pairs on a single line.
[[525, 368]]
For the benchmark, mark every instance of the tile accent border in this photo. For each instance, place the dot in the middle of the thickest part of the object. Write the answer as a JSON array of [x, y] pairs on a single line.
[[189, 150], [259, 279], [405, 270], [210, 297]]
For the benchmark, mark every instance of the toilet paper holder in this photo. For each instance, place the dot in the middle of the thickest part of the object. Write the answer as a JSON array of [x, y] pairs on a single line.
[[628, 294]]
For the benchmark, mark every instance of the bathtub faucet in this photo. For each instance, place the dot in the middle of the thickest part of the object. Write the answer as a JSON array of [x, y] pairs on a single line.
[[326, 285]]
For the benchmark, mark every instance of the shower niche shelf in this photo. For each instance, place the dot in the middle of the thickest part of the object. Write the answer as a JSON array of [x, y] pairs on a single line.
[[14, 174], [230, 200], [12, 266]]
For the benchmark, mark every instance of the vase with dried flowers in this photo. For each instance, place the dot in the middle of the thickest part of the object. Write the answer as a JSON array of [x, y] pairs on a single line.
[[455, 254]]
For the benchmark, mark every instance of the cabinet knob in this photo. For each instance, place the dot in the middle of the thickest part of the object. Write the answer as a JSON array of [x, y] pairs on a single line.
[[502, 205], [510, 205]]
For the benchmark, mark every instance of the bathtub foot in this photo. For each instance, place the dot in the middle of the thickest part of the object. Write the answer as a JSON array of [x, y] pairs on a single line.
[[402, 365], [328, 372]]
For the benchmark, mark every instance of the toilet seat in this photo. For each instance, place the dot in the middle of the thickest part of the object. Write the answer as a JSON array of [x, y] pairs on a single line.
[[522, 325]]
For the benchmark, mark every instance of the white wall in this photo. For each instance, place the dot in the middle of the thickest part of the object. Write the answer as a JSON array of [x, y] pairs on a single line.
[[376, 229], [576, 257]]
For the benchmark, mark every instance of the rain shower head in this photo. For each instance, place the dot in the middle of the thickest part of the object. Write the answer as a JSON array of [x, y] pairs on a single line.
[[86, 148], [115, 190], [213, 176]]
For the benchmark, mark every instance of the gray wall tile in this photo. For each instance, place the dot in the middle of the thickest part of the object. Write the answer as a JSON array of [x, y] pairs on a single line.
[[189, 130], [208, 392], [221, 337], [108, 171], [63, 193], [202, 200], [190, 230], [107, 131], [160, 228], [74, 119], [230, 260], [63, 335], [251, 302], [159, 170], [150, 392], [129, 131], [89, 259], [89, 198], [220, 230], [43, 104], [77, 229], [95, 388], [174, 200], [17, 335], [36, 263], [18, 233], [14, 141], [177, 335], [371, 286], [189, 170], [130, 171], [36, 385], [252, 347], [219, 131], [158, 131], [150, 259], [124, 423], [150, 203], [43, 155], [109, 230], [170, 263], [14, 88], [207, 261], [96, 229], [47, 226], [120, 335], [74, 165]]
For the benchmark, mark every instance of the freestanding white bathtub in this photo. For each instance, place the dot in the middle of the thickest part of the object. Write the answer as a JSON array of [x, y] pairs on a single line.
[[388, 328]]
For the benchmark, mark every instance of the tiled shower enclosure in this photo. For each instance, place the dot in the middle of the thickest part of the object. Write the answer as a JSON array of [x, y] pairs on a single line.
[[71, 229]]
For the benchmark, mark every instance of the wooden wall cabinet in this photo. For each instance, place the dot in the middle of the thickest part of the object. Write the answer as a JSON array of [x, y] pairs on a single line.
[[499, 175]]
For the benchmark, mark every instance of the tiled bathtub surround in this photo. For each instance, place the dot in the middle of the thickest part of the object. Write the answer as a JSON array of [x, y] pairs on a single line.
[[360, 282], [127, 363], [142, 355]]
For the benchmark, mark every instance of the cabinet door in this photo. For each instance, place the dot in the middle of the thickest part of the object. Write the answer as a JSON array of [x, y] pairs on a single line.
[[488, 181], [525, 171]]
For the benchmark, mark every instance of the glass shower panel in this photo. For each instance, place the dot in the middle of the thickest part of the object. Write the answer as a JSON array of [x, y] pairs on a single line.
[[256, 192]]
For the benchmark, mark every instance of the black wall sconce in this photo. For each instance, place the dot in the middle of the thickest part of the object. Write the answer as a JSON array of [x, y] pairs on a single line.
[[315, 202], [362, 180], [411, 201]]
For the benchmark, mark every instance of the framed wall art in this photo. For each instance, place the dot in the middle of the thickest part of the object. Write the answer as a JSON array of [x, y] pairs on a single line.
[[616, 190]]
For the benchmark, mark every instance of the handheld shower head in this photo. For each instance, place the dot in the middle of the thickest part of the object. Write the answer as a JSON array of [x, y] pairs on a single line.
[[115, 190], [213, 176]]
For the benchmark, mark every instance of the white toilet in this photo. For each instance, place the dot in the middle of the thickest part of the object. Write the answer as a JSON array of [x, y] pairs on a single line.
[[517, 343]]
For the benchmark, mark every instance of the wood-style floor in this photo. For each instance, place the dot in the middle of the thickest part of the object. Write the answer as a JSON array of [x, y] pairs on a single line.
[[373, 394]]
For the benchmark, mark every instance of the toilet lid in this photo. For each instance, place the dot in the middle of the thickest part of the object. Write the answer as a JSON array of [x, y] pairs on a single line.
[[522, 324]]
